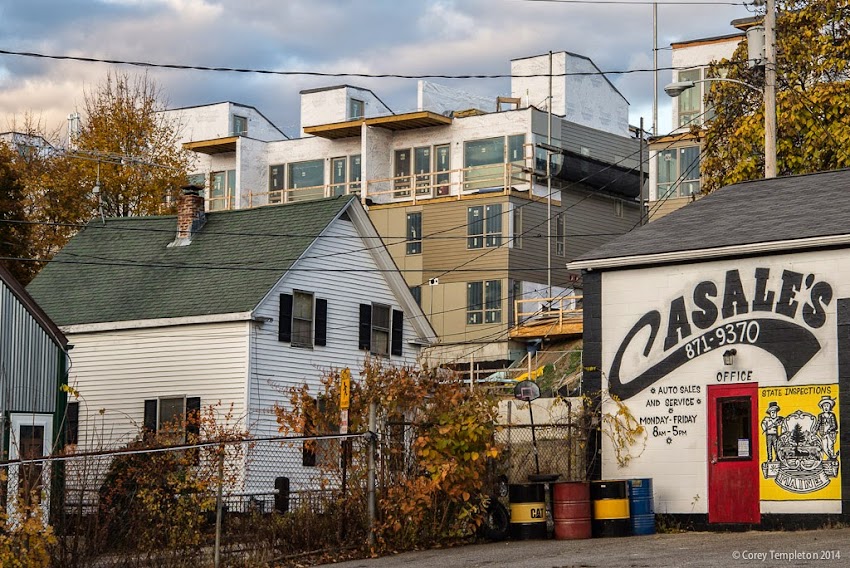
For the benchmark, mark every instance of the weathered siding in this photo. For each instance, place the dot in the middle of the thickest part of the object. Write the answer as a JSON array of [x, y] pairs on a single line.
[[29, 359], [116, 371]]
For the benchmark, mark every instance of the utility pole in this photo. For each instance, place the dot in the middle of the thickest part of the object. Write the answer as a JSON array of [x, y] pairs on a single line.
[[655, 69], [770, 89], [549, 188]]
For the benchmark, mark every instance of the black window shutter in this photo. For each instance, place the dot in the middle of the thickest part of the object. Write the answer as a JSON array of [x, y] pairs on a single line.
[[193, 417], [398, 333], [365, 341], [284, 329], [321, 323], [149, 422], [72, 423]]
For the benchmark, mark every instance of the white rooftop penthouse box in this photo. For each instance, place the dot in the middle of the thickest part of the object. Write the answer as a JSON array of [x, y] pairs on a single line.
[[222, 120], [339, 103], [580, 92]]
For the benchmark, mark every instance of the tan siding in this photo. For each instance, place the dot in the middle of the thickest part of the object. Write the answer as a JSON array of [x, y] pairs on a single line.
[[450, 220], [658, 209]]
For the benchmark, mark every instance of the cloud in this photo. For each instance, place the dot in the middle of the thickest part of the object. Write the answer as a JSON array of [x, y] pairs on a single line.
[[333, 36]]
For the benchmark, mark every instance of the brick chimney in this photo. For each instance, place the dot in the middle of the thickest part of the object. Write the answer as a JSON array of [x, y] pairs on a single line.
[[190, 214]]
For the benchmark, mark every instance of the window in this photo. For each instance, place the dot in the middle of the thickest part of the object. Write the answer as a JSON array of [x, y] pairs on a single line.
[[483, 160], [306, 174], [354, 176], [240, 125], [484, 226], [72, 423], [426, 168], [517, 221], [302, 320], [678, 172], [176, 418], [561, 234], [416, 291], [515, 149], [198, 180], [339, 172], [414, 233], [733, 428], [484, 302], [442, 165], [276, 173], [30, 446], [222, 190], [345, 175], [381, 329], [422, 167], [690, 101], [355, 109], [401, 167]]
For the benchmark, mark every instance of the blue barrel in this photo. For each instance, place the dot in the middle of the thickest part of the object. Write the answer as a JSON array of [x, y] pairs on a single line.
[[641, 506]]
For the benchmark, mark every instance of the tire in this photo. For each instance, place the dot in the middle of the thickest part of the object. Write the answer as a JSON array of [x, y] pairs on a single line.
[[496, 522]]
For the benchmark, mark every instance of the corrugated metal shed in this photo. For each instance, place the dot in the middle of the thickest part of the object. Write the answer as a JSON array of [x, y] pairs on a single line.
[[31, 352]]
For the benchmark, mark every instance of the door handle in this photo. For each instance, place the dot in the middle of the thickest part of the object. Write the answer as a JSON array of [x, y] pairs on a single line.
[[714, 460]]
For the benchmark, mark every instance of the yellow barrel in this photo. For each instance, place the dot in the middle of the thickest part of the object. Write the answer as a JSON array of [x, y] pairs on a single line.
[[528, 511], [610, 508]]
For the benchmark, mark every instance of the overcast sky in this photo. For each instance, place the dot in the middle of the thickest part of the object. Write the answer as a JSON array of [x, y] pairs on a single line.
[[448, 37]]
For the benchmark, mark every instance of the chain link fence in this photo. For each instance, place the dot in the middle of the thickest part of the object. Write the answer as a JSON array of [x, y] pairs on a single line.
[[254, 502]]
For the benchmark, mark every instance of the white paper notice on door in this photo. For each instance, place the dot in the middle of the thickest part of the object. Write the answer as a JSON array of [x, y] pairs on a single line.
[[743, 447]]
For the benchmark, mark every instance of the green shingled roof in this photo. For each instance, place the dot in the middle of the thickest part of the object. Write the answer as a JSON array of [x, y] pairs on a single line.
[[123, 269]]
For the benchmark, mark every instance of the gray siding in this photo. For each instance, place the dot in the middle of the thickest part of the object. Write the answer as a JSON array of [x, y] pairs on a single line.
[[601, 145], [29, 359], [591, 220]]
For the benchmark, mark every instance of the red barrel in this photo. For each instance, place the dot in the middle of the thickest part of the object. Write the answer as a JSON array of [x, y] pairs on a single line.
[[571, 510]]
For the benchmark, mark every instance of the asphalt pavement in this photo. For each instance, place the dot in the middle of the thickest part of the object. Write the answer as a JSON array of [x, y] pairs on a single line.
[[825, 548]]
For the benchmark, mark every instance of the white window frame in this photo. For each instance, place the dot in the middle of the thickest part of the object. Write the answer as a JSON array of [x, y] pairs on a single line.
[[296, 340], [16, 420]]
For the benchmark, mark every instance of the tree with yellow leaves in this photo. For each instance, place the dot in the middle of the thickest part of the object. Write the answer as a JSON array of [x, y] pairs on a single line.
[[812, 93]]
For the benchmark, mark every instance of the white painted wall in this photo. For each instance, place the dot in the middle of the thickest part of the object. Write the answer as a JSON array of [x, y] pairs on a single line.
[[699, 54], [679, 468], [208, 122], [279, 366], [116, 371], [589, 100], [330, 105]]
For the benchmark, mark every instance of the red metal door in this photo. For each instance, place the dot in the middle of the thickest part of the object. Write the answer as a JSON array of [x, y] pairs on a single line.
[[733, 471]]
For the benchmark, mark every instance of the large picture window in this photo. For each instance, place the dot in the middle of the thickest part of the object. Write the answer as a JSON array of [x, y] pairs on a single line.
[[484, 302], [484, 226], [308, 176], [484, 160]]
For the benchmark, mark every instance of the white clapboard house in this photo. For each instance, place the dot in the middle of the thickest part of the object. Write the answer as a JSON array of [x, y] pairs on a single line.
[[174, 313]]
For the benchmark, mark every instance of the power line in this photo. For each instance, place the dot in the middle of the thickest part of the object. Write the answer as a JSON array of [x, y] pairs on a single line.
[[643, 2], [184, 67]]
